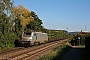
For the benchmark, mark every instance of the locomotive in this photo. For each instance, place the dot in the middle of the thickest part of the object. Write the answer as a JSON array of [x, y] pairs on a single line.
[[33, 38]]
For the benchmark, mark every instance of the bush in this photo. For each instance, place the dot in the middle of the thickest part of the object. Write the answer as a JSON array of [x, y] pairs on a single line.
[[11, 39], [82, 40], [2, 39], [7, 41]]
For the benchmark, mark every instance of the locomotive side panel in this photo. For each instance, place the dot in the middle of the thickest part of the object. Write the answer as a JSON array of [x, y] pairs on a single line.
[[39, 37]]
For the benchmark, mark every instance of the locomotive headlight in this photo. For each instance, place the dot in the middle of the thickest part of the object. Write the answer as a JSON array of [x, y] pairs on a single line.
[[29, 39]]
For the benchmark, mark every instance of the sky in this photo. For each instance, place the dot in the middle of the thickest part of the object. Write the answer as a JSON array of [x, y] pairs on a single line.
[[70, 15]]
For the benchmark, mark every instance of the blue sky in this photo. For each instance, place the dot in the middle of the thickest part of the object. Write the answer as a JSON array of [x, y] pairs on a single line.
[[60, 14]]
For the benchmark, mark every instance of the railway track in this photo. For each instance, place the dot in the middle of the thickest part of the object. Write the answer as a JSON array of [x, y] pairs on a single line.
[[29, 53], [14, 49]]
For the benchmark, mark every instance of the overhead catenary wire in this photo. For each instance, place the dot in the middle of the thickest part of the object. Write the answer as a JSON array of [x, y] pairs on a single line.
[[47, 19]]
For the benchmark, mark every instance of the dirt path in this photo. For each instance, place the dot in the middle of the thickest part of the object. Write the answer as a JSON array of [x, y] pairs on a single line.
[[73, 53]]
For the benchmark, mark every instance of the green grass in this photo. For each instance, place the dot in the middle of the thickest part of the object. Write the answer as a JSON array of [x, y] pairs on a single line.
[[57, 53]]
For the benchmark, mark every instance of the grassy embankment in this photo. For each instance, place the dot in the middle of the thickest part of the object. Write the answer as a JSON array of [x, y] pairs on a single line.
[[57, 53]]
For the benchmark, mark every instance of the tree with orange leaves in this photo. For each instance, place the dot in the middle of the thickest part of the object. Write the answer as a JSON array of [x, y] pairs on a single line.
[[23, 15]]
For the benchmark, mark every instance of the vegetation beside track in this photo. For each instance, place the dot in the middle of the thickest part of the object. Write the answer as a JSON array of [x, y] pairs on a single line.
[[57, 53]]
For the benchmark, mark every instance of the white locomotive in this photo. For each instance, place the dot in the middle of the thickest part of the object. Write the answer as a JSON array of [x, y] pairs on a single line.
[[33, 38]]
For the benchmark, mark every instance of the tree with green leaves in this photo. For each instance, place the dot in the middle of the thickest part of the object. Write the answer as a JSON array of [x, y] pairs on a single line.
[[7, 36], [35, 25]]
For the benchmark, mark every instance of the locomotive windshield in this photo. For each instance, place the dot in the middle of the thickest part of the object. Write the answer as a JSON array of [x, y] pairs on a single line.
[[27, 34]]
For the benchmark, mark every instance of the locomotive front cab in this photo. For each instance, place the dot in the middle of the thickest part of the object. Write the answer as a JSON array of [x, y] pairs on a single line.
[[26, 38]]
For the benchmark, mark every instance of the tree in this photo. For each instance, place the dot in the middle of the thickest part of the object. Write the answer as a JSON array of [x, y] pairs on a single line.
[[36, 24], [23, 15], [7, 36], [5, 10]]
